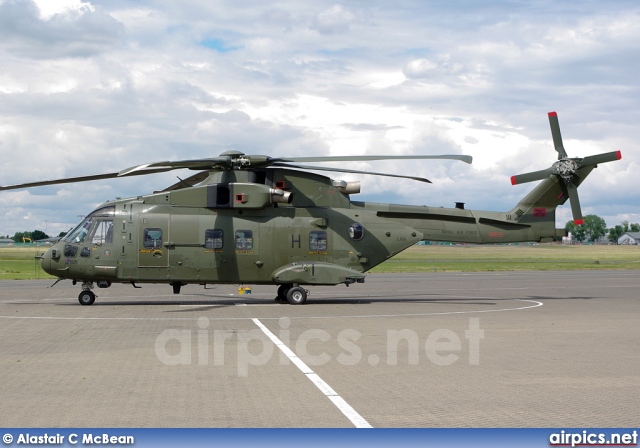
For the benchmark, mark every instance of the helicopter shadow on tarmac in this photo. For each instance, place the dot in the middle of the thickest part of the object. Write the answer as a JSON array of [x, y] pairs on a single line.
[[543, 298], [225, 302], [234, 301]]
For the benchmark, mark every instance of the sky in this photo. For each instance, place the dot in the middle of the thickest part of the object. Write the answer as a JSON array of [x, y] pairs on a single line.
[[96, 87]]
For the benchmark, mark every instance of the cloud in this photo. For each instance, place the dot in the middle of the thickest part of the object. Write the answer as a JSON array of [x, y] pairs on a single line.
[[71, 33], [334, 20]]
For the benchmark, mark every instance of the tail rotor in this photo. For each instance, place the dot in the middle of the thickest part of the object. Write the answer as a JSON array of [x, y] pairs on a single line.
[[566, 168]]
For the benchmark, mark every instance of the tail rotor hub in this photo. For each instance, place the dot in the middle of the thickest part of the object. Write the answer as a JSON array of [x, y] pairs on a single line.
[[565, 168]]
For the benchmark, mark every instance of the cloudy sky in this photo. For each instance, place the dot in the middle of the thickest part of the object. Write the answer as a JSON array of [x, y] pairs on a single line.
[[93, 87]]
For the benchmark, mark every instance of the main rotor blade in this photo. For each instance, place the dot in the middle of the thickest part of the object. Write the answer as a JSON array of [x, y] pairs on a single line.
[[575, 203], [601, 158], [188, 182], [557, 137], [530, 177], [68, 180], [341, 170], [462, 158], [195, 164]]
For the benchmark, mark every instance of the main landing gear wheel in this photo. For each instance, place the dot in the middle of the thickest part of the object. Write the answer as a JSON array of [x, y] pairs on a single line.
[[297, 295], [86, 298]]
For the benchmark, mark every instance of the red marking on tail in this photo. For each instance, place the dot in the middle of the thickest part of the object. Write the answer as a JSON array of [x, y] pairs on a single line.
[[540, 212]]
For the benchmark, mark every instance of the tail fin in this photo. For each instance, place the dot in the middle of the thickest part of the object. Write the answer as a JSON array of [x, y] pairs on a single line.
[[539, 205]]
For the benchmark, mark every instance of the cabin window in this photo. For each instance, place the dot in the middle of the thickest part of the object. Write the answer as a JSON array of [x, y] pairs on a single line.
[[356, 232], [213, 238], [244, 239], [317, 240], [152, 238]]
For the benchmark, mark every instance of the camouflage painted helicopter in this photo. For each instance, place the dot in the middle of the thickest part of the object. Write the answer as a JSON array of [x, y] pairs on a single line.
[[256, 219]]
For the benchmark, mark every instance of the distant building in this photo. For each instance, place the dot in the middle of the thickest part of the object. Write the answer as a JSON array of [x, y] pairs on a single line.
[[629, 238], [6, 242]]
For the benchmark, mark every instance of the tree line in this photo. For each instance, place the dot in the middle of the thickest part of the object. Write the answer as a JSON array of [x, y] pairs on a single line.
[[36, 235], [595, 228]]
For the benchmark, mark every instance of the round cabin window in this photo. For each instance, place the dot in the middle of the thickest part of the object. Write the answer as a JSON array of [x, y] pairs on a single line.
[[356, 232]]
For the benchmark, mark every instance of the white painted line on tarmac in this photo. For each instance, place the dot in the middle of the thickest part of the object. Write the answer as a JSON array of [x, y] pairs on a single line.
[[344, 407], [536, 304]]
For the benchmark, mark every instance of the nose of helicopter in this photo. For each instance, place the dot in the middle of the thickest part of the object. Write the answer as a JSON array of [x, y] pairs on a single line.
[[45, 261]]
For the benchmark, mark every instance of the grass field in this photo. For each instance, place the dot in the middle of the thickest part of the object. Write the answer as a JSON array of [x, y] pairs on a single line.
[[20, 263], [512, 258]]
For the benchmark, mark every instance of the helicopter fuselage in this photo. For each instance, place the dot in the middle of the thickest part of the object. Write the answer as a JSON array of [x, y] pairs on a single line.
[[273, 226]]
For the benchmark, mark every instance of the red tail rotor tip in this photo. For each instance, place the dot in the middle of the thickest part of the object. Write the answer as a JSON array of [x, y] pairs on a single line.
[[619, 154], [513, 180], [578, 222], [553, 114]]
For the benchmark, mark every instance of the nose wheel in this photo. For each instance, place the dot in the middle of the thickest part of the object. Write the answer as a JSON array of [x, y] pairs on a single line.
[[86, 298]]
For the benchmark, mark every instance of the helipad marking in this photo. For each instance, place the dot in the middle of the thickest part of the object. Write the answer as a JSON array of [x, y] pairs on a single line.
[[344, 407]]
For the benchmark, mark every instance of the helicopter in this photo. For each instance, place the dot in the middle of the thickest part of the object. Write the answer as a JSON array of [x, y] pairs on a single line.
[[257, 219]]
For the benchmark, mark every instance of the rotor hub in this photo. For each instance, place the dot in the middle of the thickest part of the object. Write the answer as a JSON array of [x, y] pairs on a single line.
[[236, 160], [565, 167]]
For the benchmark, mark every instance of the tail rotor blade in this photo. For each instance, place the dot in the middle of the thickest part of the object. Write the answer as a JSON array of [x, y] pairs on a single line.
[[601, 158], [557, 137], [575, 203], [530, 177]]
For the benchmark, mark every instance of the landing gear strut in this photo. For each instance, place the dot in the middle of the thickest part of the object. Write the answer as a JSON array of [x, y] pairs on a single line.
[[176, 287]]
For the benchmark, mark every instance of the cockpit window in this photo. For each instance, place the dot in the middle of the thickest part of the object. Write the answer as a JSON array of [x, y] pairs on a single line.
[[102, 232], [79, 233]]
